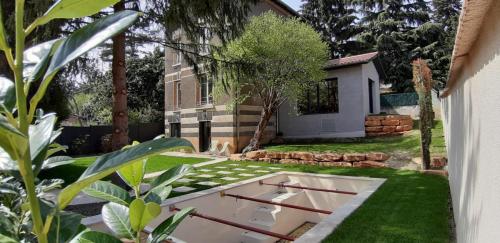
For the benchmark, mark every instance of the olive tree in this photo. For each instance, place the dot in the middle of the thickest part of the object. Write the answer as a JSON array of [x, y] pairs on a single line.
[[275, 59]]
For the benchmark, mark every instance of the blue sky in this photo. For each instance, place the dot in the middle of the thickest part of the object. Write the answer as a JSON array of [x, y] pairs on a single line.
[[295, 4]]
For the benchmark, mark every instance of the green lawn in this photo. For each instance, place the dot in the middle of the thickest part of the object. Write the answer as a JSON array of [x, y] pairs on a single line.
[[70, 173], [408, 142], [408, 207]]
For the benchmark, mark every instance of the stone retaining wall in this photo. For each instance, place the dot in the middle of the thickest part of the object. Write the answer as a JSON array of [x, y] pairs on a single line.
[[387, 125], [374, 159]]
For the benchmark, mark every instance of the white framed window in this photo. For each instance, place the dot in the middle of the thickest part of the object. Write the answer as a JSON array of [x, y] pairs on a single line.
[[206, 87], [177, 58], [178, 94]]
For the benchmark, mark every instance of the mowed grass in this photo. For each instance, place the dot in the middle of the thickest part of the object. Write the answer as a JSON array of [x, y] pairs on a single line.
[[408, 207], [70, 173], [409, 142]]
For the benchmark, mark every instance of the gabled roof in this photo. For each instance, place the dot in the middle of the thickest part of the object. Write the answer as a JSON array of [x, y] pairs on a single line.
[[352, 60], [286, 7], [471, 20]]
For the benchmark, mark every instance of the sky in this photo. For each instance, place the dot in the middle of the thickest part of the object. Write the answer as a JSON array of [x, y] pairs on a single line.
[[295, 4]]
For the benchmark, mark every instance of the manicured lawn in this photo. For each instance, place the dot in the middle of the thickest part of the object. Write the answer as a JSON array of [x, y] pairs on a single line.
[[70, 173], [409, 142], [408, 207]]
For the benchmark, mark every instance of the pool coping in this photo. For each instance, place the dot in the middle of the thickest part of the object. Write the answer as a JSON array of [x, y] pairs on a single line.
[[318, 233]]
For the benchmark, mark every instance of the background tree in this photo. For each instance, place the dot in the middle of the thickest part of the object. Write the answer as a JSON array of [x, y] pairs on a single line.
[[275, 59], [388, 28], [422, 79], [336, 21]]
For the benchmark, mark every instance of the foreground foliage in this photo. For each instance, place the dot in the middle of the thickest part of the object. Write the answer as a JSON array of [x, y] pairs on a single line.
[[27, 134]]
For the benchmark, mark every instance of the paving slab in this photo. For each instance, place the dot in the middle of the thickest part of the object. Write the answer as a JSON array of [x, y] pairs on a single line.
[[185, 180], [204, 170], [205, 176], [208, 183], [229, 178], [191, 174], [225, 172], [273, 168], [234, 164], [183, 189], [254, 166], [239, 169], [246, 175], [220, 167], [262, 171]]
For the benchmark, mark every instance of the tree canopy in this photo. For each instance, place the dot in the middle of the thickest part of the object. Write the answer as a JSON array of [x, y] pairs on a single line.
[[276, 59]]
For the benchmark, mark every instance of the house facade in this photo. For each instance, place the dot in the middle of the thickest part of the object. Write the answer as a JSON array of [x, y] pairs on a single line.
[[191, 111], [471, 118], [337, 107]]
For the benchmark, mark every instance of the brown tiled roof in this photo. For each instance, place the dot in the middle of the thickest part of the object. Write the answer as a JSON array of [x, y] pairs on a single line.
[[471, 20], [352, 60]]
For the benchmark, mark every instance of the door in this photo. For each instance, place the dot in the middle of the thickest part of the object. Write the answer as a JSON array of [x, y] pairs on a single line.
[[370, 94], [175, 130], [205, 136]]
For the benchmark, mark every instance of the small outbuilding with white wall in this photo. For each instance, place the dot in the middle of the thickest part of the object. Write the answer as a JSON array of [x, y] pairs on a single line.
[[337, 107]]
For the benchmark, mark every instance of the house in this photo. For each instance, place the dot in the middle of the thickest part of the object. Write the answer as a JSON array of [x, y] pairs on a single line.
[[191, 112], [338, 106], [471, 118]]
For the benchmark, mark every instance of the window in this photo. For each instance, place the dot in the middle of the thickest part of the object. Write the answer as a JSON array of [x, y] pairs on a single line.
[[206, 87], [178, 94], [177, 58], [204, 41], [323, 98]]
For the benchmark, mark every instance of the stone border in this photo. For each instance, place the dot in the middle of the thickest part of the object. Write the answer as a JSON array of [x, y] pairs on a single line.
[[372, 159], [387, 125]]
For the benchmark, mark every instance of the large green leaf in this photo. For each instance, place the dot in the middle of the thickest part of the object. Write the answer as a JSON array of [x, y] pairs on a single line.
[[158, 194], [111, 162], [69, 9], [54, 148], [40, 136], [3, 38], [88, 37], [165, 229], [64, 227], [57, 161], [109, 192], [133, 173], [115, 216], [7, 95], [5, 239], [11, 140], [171, 175], [36, 59], [142, 213], [88, 236]]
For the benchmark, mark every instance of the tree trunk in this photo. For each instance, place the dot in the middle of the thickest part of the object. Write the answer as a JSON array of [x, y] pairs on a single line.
[[254, 144], [119, 137], [426, 120], [120, 114]]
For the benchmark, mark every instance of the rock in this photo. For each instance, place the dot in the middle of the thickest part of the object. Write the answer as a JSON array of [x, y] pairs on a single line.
[[377, 156], [273, 155], [397, 117], [302, 156], [376, 134], [372, 123], [268, 160], [329, 157], [308, 162], [389, 129], [354, 157], [368, 164], [373, 118], [439, 162], [374, 129], [403, 128], [289, 161], [256, 154], [236, 157], [406, 122], [336, 164], [390, 122]]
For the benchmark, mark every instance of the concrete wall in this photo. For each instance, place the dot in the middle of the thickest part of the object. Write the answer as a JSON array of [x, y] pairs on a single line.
[[471, 116], [353, 108]]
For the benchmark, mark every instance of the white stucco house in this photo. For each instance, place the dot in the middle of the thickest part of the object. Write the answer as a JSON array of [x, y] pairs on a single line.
[[471, 118], [338, 106]]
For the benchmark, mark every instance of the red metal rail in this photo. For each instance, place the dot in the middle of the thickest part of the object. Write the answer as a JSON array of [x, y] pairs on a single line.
[[308, 188], [277, 203], [241, 226]]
